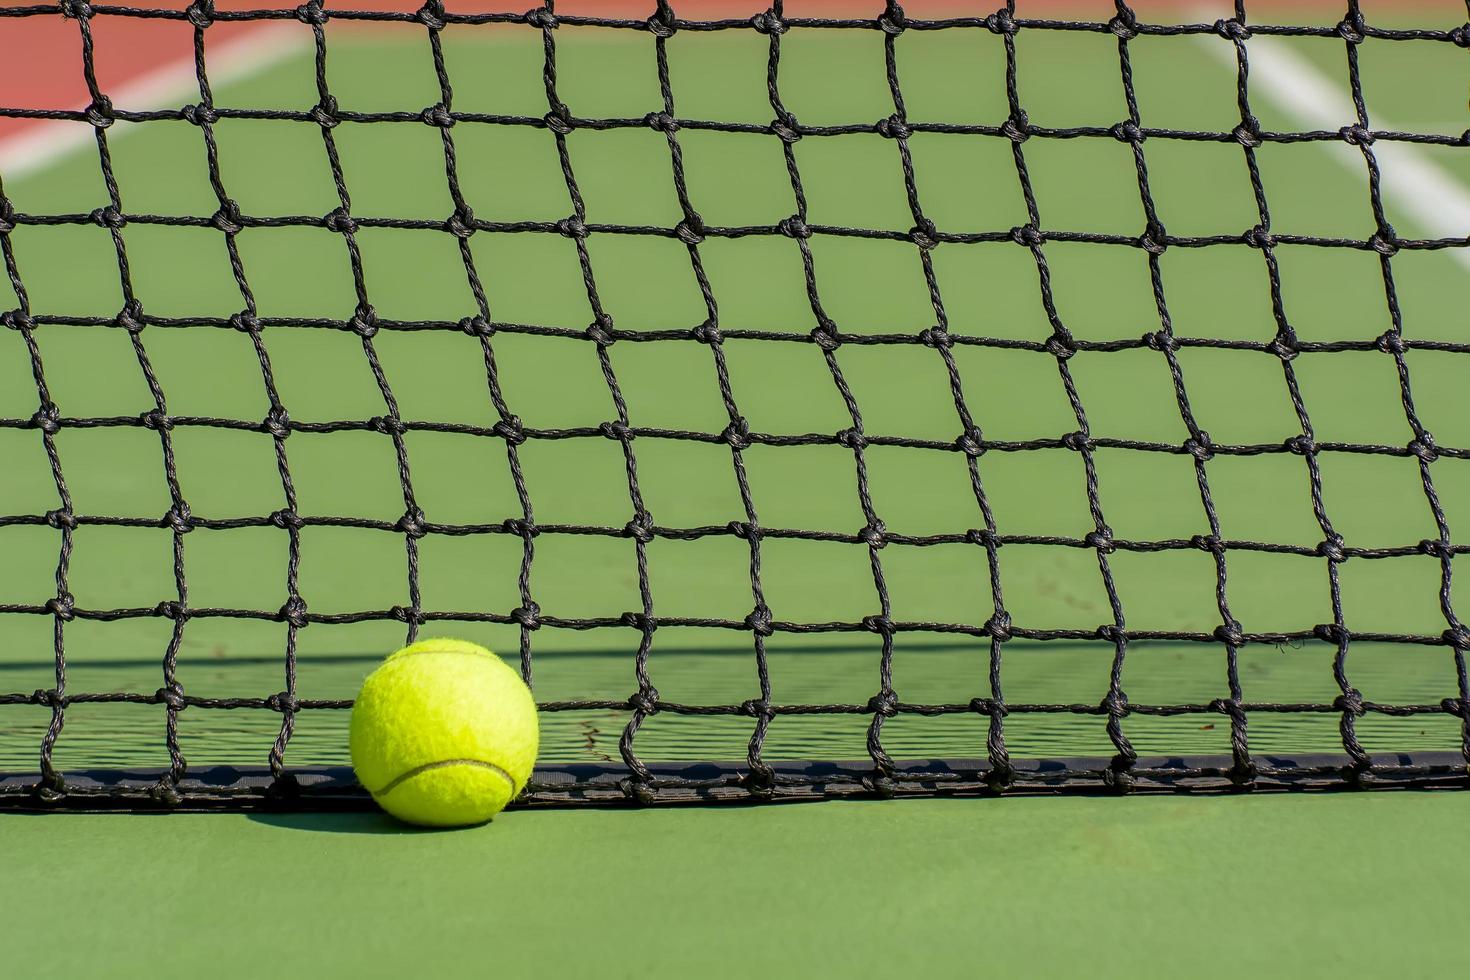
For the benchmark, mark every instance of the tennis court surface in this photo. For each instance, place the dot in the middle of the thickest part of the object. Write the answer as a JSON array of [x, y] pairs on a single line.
[[829, 401]]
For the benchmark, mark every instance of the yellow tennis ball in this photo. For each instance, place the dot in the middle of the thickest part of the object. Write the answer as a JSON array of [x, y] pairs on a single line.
[[443, 734]]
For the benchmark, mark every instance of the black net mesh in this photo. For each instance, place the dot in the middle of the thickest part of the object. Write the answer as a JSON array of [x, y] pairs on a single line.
[[631, 775]]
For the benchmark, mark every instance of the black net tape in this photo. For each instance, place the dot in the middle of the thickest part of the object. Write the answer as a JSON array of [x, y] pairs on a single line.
[[633, 778]]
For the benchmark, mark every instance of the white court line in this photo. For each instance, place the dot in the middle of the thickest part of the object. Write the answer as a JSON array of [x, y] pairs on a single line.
[[1420, 189], [43, 143]]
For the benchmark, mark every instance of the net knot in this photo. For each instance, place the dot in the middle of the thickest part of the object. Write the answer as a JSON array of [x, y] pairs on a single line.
[[277, 422], [61, 520], [1259, 237], [1356, 134], [461, 224], [410, 615], [1423, 448], [756, 708], [924, 234], [76, 9], [287, 520], [324, 113], [172, 697], [1391, 342], [1384, 241], [293, 613], [851, 438], [438, 116], [1461, 36], [1061, 346], [999, 626], [989, 707], [520, 527], [883, 703], [690, 231], [1350, 703], [1001, 22], [7, 216], [179, 518], [1127, 131], [1200, 447], [1334, 633], [1161, 340], [640, 528], [661, 122], [737, 434], [1208, 542], [881, 624], [17, 319], [983, 536], [1111, 633], [48, 699], [1115, 704], [156, 420], [542, 18], [661, 23], [1017, 128], [559, 120], [786, 128], [1459, 707], [509, 429], [645, 701], [1248, 133], [477, 326], [1230, 633], [284, 701], [971, 442], [1284, 345], [388, 425], [411, 524], [63, 606], [312, 13], [364, 322], [1028, 236], [874, 535], [1435, 548], [617, 431], [826, 336], [1457, 636], [1124, 25], [47, 419], [99, 113], [1232, 30], [431, 15], [769, 22], [708, 333], [1078, 442], [130, 317], [936, 337], [339, 221], [200, 114], [228, 218], [572, 227], [759, 621], [1101, 541], [1352, 29], [894, 128], [794, 227], [1155, 239], [892, 20], [1302, 445], [527, 615], [109, 217]]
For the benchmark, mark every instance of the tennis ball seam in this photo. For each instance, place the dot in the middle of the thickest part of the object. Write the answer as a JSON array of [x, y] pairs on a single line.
[[408, 774]]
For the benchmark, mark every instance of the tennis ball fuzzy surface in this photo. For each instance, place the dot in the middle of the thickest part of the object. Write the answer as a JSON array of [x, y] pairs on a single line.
[[444, 734]]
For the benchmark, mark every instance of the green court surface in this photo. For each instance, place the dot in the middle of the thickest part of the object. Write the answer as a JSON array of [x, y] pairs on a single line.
[[1362, 885]]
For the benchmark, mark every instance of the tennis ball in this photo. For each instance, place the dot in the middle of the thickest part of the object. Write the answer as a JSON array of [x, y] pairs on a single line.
[[443, 734]]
